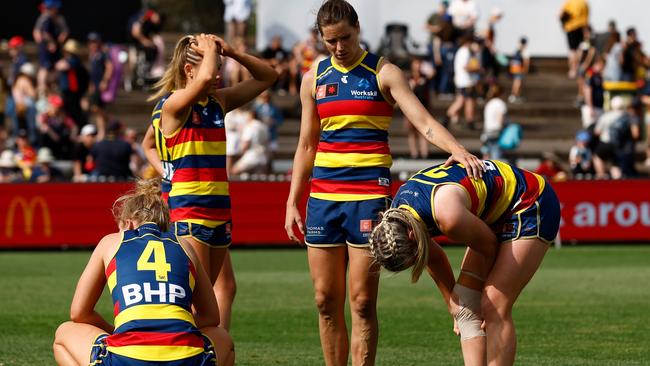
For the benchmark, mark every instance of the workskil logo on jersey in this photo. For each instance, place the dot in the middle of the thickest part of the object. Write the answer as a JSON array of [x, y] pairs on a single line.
[[327, 90]]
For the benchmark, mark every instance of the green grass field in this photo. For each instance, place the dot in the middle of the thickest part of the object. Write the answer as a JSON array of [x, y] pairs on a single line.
[[586, 306]]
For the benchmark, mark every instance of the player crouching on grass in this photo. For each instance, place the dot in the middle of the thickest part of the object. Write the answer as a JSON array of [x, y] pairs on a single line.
[[154, 279], [506, 218]]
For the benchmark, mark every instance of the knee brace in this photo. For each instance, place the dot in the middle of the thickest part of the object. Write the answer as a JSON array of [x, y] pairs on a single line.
[[469, 323]]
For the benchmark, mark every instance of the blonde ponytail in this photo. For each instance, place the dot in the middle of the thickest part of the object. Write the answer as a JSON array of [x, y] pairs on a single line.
[[143, 204], [174, 76]]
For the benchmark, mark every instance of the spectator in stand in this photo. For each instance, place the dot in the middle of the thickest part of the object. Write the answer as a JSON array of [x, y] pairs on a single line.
[[489, 61], [278, 58], [50, 31], [18, 57], [419, 83], [138, 160], [551, 167], [255, 139], [580, 156], [73, 81], [613, 58], [21, 105], [9, 172], [594, 93], [465, 64], [440, 31], [83, 163], [616, 131], [145, 30], [586, 56], [271, 116], [519, 67], [305, 54], [633, 58], [574, 16], [112, 155], [234, 72], [101, 72], [464, 14], [494, 118], [43, 171], [234, 122], [236, 15], [4, 98], [627, 132], [645, 101], [57, 131], [25, 154]]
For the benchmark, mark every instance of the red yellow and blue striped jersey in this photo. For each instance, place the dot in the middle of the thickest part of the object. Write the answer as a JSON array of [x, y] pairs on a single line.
[[151, 280], [502, 191], [197, 151], [163, 152], [353, 158]]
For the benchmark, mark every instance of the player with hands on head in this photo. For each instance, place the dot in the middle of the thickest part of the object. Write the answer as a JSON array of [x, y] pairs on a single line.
[[186, 144], [164, 306], [507, 220]]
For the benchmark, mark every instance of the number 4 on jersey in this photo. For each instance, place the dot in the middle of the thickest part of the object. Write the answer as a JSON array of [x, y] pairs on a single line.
[[159, 264]]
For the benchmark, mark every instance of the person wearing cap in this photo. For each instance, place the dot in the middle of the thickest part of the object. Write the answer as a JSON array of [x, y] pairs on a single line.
[[82, 160], [50, 31], [18, 58], [21, 106], [44, 171], [73, 81], [580, 156], [101, 71], [57, 130], [8, 168], [25, 154]]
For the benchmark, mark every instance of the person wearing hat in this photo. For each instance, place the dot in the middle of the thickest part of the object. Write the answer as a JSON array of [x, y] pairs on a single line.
[[611, 128], [101, 71], [57, 130], [43, 171], [580, 156], [21, 106], [73, 80], [50, 31], [18, 57], [82, 161], [8, 171]]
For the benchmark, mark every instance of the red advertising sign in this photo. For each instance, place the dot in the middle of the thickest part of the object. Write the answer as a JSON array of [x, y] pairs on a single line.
[[58, 215]]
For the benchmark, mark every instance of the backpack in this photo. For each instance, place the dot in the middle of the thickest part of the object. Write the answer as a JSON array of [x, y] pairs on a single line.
[[510, 137]]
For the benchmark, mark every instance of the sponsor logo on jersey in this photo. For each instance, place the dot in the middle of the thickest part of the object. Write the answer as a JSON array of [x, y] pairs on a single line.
[[384, 182], [327, 90], [365, 226], [344, 79]]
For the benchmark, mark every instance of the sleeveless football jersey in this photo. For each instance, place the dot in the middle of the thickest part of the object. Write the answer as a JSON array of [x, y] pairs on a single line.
[[151, 280], [353, 158], [163, 152], [197, 150], [502, 191]]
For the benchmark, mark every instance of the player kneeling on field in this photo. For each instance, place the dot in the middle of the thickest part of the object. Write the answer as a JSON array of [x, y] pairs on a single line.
[[506, 218], [154, 279]]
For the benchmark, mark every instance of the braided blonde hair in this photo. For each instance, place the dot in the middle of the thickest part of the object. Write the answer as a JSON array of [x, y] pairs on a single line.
[[174, 77], [143, 204], [394, 248]]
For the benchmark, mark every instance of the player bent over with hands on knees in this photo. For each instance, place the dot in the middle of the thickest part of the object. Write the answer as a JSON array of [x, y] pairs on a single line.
[[155, 279], [507, 219]]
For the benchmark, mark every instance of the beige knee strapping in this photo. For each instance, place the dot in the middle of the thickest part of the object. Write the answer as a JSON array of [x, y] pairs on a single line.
[[469, 323]]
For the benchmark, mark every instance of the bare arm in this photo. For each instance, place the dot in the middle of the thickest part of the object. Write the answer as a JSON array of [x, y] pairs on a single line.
[[263, 78], [303, 161], [395, 84], [90, 287], [150, 151], [440, 270], [177, 106]]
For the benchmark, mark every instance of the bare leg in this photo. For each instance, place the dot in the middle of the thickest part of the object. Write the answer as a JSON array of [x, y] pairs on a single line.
[[363, 283], [515, 265], [516, 87], [455, 107], [225, 289], [470, 103], [411, 137], [573, 63], [223, 345], [328, 267], [472, 269], [211, 259], [599, 167], [424, 146], [73, 343]]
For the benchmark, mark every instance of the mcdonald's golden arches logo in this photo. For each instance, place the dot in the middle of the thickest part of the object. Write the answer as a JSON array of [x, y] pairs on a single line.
[[28, 211]]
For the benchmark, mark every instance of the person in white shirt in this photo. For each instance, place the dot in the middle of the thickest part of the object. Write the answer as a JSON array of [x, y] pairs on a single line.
[[494, 117], [464, 14], [255, 139], [465, 63]]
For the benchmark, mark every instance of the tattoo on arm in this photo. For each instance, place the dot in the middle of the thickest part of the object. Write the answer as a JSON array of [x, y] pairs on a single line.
[[429, 133]]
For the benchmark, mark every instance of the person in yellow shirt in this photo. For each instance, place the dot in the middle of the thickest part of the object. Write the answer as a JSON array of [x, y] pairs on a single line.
[[574, 16]]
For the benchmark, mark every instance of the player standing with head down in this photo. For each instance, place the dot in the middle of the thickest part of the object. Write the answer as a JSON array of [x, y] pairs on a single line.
[[347, 106], [154, 280], [187, 145], [507, 219]]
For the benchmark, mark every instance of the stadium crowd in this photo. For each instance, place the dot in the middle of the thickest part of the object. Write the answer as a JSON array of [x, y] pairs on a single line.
[[55, 107]]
